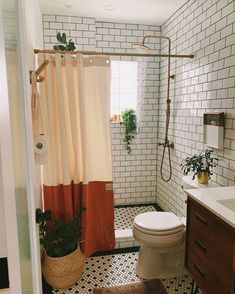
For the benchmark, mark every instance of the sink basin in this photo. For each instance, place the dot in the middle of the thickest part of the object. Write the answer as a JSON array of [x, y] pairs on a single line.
[[228, 203]]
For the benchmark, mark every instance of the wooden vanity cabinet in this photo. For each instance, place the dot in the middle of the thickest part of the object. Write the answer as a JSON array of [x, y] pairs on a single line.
[[210, 250]]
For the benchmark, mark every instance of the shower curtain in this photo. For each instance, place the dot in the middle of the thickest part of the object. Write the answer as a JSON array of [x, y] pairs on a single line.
[[74, 103]]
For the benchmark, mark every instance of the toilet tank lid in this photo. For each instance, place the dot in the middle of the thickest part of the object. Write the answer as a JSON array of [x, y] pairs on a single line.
[[158, 221]]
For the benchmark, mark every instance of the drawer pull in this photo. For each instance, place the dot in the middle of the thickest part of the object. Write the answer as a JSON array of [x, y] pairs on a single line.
[[201, 219], [201, 272], [200, 245]]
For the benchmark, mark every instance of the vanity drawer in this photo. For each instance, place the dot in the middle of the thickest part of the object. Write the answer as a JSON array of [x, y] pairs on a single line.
[[206, 278], [210, 245], [206, 226], [209, 255]]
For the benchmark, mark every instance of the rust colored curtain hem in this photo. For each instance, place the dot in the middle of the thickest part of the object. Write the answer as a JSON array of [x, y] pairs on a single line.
[[97, 219]]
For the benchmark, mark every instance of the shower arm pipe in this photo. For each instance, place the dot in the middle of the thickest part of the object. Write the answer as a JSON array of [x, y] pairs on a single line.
[[37, 51], [166, 143], [169, 77]]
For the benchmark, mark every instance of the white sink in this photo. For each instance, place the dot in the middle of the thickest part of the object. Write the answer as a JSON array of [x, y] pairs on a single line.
[[228, 203]]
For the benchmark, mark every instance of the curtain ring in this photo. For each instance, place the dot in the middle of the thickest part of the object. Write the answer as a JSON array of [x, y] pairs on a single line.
[[52, 59]]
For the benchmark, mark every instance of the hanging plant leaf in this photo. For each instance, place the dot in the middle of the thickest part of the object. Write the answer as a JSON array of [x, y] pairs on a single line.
[[129, 120]]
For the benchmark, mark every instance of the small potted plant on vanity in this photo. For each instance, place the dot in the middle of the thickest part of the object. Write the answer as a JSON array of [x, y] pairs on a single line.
[[201, 165], [63, 261]]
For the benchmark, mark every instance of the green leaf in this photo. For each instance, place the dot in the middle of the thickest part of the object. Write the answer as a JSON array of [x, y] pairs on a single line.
[[204, 161], [63, 44], [59, 37], [63, 38], [71, 46], [61, 47]]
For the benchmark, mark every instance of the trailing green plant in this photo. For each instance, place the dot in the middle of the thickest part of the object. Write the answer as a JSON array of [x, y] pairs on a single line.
[[129, 120], [202, 162], [59, 238], [63, 44]]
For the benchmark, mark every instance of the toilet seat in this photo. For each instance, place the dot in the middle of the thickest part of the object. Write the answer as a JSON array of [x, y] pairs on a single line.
[[158, 223]]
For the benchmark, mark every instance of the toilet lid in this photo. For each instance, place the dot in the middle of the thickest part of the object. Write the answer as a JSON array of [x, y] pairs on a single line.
[[158, 221]]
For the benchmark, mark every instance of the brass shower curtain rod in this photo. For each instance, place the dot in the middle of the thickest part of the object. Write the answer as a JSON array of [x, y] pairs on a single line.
[[37, 51]]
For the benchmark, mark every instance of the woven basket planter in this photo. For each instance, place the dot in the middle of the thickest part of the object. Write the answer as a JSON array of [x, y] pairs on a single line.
[[63, 272]]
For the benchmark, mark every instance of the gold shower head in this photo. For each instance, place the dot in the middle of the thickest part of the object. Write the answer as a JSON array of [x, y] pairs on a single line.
[[141, 48]]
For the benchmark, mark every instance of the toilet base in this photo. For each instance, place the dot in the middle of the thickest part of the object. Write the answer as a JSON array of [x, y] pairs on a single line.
[[152, 264]]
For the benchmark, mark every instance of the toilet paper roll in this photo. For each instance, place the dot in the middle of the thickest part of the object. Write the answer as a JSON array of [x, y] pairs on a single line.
[[40, 148]]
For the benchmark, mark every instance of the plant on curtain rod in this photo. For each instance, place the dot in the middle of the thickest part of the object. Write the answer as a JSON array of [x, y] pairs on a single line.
[[129, 120], [63, 261], [62, 44]]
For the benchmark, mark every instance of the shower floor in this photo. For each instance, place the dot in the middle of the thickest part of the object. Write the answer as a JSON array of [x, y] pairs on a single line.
[[124, 215]]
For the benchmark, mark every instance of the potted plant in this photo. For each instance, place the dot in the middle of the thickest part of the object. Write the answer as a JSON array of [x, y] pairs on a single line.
[[201, 165], [63, 262], [129, 120]]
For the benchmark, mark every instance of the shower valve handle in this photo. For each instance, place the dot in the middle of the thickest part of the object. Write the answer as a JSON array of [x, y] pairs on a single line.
[[166, 144]]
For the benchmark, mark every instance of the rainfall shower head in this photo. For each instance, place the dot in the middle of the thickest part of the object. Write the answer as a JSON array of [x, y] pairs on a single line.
[[141, 48]]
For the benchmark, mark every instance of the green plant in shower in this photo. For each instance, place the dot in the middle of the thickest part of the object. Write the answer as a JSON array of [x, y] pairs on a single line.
[[63, 44], [202, 162], [129, 120]]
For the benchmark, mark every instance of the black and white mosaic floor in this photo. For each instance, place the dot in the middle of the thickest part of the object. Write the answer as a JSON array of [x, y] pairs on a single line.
[[117, 269], [124, 216]]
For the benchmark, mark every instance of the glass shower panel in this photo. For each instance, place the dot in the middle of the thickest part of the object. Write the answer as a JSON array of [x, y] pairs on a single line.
[[18, 140]]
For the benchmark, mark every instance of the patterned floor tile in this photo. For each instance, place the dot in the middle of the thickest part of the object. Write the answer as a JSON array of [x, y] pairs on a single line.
[[117, 269], [124, 216]]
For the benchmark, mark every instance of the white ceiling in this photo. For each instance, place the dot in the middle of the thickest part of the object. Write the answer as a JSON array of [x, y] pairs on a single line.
[[154, 12]]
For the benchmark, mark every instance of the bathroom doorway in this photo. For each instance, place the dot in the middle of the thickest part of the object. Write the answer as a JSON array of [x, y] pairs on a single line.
[[21, 245]]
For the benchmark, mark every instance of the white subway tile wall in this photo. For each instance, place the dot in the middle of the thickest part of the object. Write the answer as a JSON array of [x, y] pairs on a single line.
[[206, 83], [205, 28], [81, 29], [134, 176]]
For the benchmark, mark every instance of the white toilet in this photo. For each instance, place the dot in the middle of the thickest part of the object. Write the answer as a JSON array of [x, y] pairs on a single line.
[[161, 236]]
